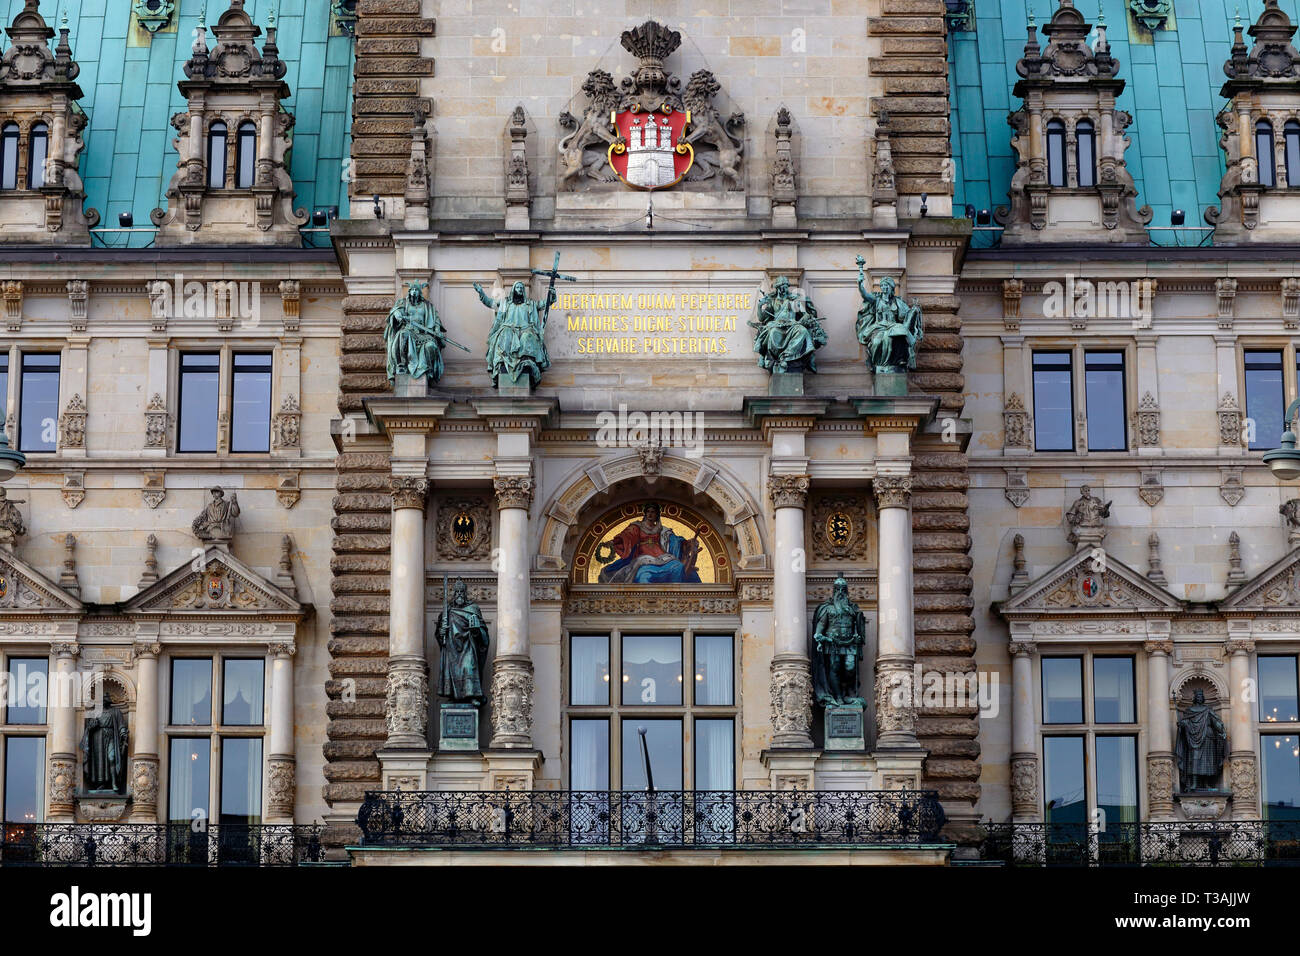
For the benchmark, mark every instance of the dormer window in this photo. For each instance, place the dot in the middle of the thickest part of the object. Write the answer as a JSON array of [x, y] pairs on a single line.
[[217, 156], [1055, 153], [1291, 136], [38, 149], [9, 156], [1085, 152], [1264, 152], [246, 155]]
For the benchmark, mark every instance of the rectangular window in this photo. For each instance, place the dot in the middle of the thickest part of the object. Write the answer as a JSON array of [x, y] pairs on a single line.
[[24, 779], [38, 403], [589, 669], [241, 780], [652, 671], [196, 423], [1065, 798], [715, 763], [714, 672], [589, 754], [1265, 397], [192, 692], [250, 391], [1277, 689], [1053, 402], [1280, 755], [189, 781], [1062, 690], [241, 692], [1103, 384], [663, 739], [27, 696], [1112, 690], [1117, 788]]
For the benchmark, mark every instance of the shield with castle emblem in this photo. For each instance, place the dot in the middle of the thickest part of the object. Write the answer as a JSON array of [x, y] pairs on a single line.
[[650, 151]]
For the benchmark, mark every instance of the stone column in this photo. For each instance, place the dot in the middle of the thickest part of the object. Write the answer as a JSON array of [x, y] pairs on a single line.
[[895, 652], [1026, 803], [1243, 764], [512, 670], [791, 674], [144, 743], [62, 714], [407, 708], [281, 783], [1160, 747]]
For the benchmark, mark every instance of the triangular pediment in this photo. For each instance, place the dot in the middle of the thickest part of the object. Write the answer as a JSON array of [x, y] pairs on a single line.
[[23, 589], [214, 583], [1275, 588], [1089, 583]]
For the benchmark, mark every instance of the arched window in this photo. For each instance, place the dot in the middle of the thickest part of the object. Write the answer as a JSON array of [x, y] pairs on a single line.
[[246, 155], [1085, 152], [217, 155], [9, 156], [38, 149], [1055, 153], [1291, 135], [1264, 153]]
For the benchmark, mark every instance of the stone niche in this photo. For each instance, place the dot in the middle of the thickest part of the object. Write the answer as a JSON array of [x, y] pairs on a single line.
[[232, 182], [1200, 805], [41, 121]]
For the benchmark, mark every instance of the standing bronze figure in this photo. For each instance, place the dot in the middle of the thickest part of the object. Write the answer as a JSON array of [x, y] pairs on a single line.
[[463, 638], [1202, 746], [839, 636], [103, 751]]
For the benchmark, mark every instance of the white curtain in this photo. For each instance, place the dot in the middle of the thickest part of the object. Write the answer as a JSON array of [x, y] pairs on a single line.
[[589, 669], [588, 754], [241, 780], [187, 789], [714, 754], [714, 670]]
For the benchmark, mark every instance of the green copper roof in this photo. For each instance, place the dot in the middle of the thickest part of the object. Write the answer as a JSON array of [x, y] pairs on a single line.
[[129, 78]]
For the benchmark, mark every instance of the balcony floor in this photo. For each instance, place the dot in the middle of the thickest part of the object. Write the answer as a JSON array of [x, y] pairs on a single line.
[[913, 855]]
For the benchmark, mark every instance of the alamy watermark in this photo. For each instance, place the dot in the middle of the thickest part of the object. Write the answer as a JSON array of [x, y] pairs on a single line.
[[662, 429]]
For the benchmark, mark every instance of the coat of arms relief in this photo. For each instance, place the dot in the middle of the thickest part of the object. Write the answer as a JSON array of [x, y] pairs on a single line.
[[647, 132]]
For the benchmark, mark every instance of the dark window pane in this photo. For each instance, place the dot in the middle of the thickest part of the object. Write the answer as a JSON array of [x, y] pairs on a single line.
[[9, 156], [1280, 754], [1064, 799], [1264, 153], [247, 150], [1265, 399], [241, 693], [1085, 153], [1062, 690], [715, 753], [188, 788], [24, 779], [589, 755], [1056, 153], [1112, 690], [589, 669], [196, 426], [1053, 402], [250, 420], [38, 150], [1103, 382], [1277, 689], [192, 692], [217, 156], [4, 386], [241, 780], [1292, 133], [664, 741], [652, 670], [714, 670], [28, 692], [38, 404], [1117, 788]]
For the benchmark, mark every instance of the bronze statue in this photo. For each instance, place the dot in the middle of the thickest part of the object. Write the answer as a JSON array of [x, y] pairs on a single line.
[[788, 332], [463, 638], [890, 328], [103, 751], [414, 337], [216, 522], [839, 636], [1202, 746]]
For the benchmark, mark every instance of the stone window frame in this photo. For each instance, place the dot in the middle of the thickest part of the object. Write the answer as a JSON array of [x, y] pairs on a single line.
[[233, 121], [1262, 728], [9, 731], [26, 121], [226, 347], [1289, 346], [1277, 120], [1070, 143], [1078, 346], [12, 405]]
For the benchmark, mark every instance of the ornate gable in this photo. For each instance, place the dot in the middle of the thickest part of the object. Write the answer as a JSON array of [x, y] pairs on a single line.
[[215, 583], [1086, 583], [24, 590], [1276, 588]]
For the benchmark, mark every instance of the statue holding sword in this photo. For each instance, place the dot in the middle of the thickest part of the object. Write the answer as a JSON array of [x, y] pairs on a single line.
[[516, 345], [414, 337]]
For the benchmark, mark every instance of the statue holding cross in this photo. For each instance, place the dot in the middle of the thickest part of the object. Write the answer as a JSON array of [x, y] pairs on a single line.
[[516, 345]]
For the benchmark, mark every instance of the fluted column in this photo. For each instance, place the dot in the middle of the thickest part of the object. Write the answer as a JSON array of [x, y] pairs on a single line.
[[281, 782], [1243, 764], [512, 669], [1026, 804], [895, 651], [62, 715], [1160, 747], [791, 686], [144, 745], [407, 708]]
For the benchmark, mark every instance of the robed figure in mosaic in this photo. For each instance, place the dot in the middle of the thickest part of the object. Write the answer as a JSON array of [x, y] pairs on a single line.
[[516, 345], [788, 331], [890, 328], [414, 337], [839, 637], [649, 552], [1202, 745], [463, 638]]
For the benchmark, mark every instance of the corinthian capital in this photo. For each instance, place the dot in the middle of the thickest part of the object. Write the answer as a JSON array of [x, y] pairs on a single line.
[[892, 491], [409, 491], [513, 491], [788, 491]]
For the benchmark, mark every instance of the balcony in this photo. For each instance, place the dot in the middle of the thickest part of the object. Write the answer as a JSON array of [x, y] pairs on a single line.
[[1218, 843], [142, 844], [640, 820]]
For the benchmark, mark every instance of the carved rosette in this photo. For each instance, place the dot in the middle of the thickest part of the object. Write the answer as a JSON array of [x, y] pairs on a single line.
[[63, 783], [512, 703], [892, 491], [1024, 787], [895, 705], [1243, 776], [409, 491], [513, 491], [144, 787], [791, 689], [406, 707], [789, 491], [280, 786]]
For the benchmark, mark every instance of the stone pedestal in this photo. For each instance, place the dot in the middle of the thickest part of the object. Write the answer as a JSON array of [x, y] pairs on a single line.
[[785, 383], [520, 388], [843, 728], [1203, 807], [512, 769], [406, 387], [899, 769], [791, 769], [102, 807], [458, 727], [405, 769], [891, 383]]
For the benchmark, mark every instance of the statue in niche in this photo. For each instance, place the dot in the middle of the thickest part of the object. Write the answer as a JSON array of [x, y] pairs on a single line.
[[839, 636], [414, 337], [216, 522], [649, 552], [788, 331], [104, 750], [463, 638], [890, 328], [1202, 746]]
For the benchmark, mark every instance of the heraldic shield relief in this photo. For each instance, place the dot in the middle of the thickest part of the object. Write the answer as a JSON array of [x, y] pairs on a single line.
[[650, 151]]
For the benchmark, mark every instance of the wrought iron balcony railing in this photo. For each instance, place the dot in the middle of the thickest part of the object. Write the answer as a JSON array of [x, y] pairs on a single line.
[[139, 844], [571, 819], [1218, 843]]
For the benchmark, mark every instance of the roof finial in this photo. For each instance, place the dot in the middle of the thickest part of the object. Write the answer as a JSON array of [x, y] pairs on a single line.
[[270, 17]]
